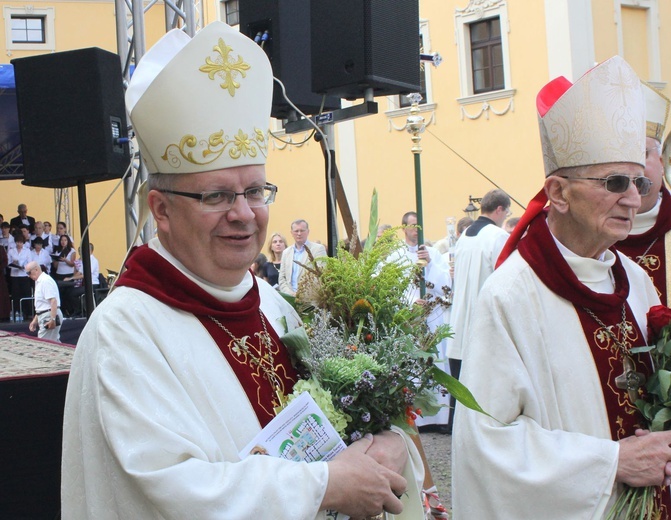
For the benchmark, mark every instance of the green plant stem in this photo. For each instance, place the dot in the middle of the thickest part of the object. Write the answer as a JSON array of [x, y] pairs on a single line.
[[359, 329]]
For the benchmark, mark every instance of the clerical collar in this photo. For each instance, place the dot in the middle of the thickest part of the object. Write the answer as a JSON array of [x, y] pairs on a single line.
[[412, 249], [478, 225], [595, 273], [643, 222], [221, 293]]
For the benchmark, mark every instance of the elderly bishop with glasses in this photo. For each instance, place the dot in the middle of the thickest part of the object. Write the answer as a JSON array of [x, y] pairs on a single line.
[[183, 363], [550, 347]]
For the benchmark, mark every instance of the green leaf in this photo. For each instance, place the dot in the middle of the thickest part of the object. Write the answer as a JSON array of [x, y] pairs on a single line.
[[660, 420], [428, 404], [403, 425], [652, 385], [373, 223], [459, 391], [667, 348], [297, 344], [642, 350], [664, 383], [289, 298], [283, 322]]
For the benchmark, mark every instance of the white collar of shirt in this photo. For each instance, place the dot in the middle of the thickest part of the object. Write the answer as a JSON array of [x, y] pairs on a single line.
[[412, 249], [644, 221], [594, 273], [298, 249], [224, 294]]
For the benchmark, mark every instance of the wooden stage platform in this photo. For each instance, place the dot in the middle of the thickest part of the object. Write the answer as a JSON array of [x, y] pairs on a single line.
[[33, 379]]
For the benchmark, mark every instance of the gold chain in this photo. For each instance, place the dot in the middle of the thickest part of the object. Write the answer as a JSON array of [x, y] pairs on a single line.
[[629, 380], [260, 361], [623, 329], [641, 258]]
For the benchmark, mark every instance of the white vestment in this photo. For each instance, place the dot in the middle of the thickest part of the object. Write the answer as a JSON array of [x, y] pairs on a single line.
[[437, 274], [474, 260], [528, 364], [155, 418]]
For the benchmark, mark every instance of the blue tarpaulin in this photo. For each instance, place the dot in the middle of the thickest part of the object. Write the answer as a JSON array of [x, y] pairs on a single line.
[[11, 161]]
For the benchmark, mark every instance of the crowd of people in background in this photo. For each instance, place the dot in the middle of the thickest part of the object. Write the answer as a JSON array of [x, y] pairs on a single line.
[[549, 317], [25, 240]]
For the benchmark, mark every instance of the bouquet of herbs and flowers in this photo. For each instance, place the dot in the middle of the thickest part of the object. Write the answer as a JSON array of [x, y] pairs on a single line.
[[365, 354], [643, 503]]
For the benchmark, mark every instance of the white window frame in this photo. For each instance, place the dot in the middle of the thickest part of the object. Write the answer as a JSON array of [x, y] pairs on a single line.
[[652, 25], [394, 108], [222, 12], [48, 13], [476, 11]]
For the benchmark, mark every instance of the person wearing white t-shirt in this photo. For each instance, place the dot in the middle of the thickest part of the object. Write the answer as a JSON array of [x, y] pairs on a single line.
[[48, 316]]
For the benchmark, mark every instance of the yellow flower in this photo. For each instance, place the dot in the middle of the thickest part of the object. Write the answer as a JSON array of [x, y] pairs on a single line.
[[362, 308]]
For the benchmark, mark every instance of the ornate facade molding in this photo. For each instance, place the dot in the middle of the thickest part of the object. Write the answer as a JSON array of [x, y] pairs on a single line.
[[480, 6], [486, 108]]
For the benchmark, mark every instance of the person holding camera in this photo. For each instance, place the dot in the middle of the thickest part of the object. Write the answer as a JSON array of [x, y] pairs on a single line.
[[48, 316]]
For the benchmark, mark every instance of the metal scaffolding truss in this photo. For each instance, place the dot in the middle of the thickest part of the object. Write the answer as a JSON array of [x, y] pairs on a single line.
[[131, 44], [11, 163], [62, 205]]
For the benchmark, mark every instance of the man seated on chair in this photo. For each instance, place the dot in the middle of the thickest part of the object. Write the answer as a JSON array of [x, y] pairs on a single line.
[[72, 303]]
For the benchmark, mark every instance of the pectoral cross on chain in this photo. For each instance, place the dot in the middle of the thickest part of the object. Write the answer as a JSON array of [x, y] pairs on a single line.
[[630, 380]]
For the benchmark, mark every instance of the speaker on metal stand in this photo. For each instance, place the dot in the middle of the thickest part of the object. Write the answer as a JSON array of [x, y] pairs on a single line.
[[366, 45], [72, 119], [281, 27]]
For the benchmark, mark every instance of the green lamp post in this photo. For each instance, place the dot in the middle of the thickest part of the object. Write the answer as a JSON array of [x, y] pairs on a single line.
[[415, 126]]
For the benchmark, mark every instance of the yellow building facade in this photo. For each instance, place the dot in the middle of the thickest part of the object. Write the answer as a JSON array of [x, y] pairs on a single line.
[[480, 133]]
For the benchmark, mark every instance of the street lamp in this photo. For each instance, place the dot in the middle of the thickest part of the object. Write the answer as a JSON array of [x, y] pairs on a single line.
[[472, 210], [415, 126]]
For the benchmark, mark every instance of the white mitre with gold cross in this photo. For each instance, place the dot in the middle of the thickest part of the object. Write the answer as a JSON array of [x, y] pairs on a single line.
[[203, 103], [656, 112], [598, 119]]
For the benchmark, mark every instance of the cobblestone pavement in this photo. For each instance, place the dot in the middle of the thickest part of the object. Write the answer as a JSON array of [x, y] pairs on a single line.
[[438, 449]]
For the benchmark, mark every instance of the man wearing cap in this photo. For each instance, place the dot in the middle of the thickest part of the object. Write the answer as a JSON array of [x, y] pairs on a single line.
[[182, 364], [549, 349], [649, 243]]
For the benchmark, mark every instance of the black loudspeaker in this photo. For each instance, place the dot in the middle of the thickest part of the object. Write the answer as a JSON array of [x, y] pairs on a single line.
[[282, 27], [71, 115], [365, 44]]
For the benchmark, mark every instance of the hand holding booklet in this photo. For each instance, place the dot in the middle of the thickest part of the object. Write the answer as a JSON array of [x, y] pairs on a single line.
[[300, 432]]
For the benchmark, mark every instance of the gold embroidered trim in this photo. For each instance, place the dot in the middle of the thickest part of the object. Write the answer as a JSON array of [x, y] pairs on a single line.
[[654, 130], [224, 67], [206, 151]]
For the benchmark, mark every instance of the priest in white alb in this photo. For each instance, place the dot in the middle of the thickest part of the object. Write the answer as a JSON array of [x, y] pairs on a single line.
[[549, 348], [182, 365]]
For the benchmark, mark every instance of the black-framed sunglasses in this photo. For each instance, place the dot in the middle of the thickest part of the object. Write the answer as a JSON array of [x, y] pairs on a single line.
[[223, 200], [617, 182]]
